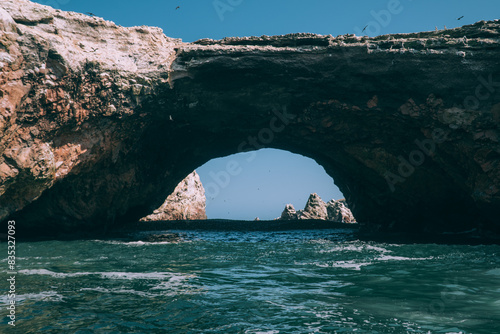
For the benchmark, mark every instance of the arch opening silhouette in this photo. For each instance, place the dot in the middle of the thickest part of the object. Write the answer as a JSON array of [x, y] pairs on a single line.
[[259, 184]]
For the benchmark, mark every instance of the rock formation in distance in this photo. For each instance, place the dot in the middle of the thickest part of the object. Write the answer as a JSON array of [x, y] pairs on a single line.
[[315, 208], [187, 202]]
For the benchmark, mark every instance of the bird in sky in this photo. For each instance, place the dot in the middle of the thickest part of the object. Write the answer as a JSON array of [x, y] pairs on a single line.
[[364, 28], [90, 14], [461, 17], [177, 7]]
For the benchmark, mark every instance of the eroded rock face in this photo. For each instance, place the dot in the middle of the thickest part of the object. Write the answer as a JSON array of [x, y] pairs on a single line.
[[99, 123], [316, 208], [289, 213], [71, 88], [187, 202], [338, 211]]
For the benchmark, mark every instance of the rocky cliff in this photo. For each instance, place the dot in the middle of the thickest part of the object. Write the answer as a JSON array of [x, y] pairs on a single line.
[[187, 202], [99, 123], [315, 208]]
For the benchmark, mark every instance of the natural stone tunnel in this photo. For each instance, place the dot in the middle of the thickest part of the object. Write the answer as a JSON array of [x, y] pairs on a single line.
[[99, 123]]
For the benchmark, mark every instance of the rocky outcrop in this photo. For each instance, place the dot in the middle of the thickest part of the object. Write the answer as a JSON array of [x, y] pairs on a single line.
[[289, 213], [187, 202], [99, 123], [315, 208], [338, 211]]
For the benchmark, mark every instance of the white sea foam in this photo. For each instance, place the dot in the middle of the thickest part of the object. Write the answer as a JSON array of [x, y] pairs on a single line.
[[33, 258], [98, 289], [51, 273], [355, 248], [164, 288], [129, 276], [117, 242], [135, 243], [351, 264], [109, 275], [378, 249], [40, 296], [401, 258]]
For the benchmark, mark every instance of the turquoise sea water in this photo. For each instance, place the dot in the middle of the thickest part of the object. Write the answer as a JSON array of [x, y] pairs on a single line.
[[303, 281]]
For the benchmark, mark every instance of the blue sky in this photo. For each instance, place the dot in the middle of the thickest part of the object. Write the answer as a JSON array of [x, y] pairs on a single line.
[[273, 178], [261, 183], [216, 19]]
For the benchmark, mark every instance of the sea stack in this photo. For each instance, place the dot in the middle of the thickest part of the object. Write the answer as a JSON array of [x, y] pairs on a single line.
[[187, 202], [316, 208]]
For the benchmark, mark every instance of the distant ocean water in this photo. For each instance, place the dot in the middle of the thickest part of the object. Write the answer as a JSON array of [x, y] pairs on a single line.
[[301, 281]]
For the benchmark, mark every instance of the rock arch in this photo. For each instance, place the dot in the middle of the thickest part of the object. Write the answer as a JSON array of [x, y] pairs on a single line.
[[98, 132]]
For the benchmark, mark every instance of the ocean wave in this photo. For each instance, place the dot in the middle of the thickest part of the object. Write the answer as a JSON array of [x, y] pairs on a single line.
[[33, 258], [120, 291], [354, 265], [350, 264], [402, 258], [135, 243], [39, 296], [162, 289], [355, 248], [110, 275], [153, 275], [52, 273]]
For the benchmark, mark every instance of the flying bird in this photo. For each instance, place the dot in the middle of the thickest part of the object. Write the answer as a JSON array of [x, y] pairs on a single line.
[[461, 17], [90, 14], [177, 7], [364, 28]]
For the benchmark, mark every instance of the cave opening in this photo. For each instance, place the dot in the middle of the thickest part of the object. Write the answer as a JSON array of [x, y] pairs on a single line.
[[259, 184]]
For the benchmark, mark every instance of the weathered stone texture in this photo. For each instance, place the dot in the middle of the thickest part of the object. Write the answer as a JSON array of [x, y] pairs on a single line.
[[317, 209], [187, 202]]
